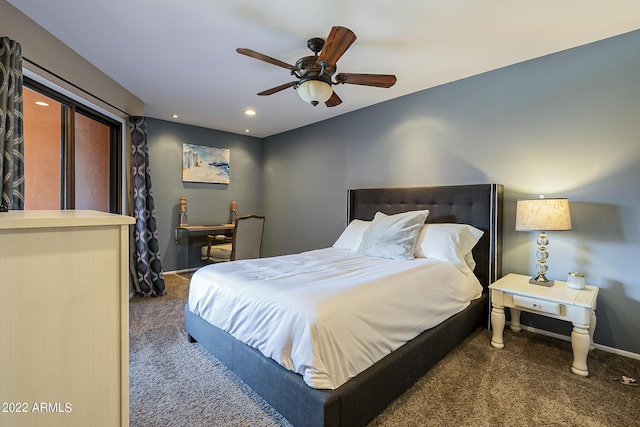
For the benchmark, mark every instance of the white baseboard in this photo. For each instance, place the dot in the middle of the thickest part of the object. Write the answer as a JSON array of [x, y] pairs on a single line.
[[613, 350], [184, 270]]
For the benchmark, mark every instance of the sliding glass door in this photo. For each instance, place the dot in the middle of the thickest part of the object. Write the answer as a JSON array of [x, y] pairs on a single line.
[[42, 152], [72, 154], [91, 161]]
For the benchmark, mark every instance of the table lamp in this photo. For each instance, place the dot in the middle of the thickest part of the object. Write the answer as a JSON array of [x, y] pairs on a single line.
[[542, 215]]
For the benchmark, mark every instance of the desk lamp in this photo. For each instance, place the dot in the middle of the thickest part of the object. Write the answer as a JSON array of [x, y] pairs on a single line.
[[542, 215]]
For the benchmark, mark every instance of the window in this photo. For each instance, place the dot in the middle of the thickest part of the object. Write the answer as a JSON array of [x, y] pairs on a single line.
[[72, 154]]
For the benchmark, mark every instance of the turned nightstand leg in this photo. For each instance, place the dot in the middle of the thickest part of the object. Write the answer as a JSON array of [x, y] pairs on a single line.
[[580, 342], [514, 324], [498, 321]]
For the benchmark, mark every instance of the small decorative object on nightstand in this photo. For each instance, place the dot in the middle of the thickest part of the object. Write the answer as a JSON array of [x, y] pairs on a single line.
[[559, 302], [576, 280], [542, 215]]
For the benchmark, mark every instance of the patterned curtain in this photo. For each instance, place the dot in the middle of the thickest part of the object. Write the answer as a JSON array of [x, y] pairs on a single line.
[[11, 125], [148, 275]]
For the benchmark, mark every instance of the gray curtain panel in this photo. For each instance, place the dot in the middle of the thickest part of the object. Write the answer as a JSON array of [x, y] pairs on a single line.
[[11, 125], [148, 275]]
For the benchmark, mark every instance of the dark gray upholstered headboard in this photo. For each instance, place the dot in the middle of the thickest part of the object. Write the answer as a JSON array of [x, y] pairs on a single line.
[[479, 205]]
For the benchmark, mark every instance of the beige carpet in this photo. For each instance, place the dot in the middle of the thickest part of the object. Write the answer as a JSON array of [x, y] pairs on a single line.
[[528, 383]]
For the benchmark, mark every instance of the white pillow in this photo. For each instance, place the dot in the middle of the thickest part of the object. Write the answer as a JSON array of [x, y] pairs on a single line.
[[352, 235], [451, 243], [393, 236]]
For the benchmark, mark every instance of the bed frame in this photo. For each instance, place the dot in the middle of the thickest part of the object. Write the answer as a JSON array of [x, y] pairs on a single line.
[[360, 399]]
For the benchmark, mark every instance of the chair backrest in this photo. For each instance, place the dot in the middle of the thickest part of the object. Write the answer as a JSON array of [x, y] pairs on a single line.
[[247, 237]]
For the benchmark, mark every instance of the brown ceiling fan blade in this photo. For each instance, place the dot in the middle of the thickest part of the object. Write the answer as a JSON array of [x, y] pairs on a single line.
[[277, 88], [376, 80], [334, 100], [261, 57], [339, 40]]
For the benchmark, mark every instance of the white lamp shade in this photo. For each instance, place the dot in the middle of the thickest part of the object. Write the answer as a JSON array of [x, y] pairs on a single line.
[[315, 91], [543, 214]]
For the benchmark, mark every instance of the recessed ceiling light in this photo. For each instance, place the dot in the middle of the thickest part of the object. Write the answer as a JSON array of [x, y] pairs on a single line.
[[42, 103], [250, 112], [246, 130], [175, 116]]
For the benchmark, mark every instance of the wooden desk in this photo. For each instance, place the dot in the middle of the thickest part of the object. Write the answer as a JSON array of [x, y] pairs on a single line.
[[207, 228], [186, 235]]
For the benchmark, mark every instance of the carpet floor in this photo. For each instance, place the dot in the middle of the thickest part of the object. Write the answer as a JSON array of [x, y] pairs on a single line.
[[528, 383]]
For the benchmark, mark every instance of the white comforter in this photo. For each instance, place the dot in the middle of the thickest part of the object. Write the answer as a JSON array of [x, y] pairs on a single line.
[[329, 314]]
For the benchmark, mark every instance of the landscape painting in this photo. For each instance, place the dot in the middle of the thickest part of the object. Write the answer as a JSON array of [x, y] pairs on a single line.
[[205, 164]]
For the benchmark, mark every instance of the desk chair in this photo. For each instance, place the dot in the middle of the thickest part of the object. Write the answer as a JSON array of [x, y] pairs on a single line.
[[245, 242]]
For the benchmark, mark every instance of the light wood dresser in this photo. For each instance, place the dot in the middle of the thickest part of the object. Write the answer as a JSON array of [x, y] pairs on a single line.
[[64, 318]]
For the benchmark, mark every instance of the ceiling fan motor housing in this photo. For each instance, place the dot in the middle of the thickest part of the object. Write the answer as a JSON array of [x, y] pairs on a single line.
[[310, 69]]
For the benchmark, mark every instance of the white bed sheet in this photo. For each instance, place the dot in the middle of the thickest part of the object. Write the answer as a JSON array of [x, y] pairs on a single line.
[[329, 314]]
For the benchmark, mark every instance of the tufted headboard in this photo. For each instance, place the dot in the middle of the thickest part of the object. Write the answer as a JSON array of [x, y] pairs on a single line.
[[479, 205]]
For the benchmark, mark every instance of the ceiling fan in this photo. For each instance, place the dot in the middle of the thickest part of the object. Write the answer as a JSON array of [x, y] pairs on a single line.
[[314, 73]]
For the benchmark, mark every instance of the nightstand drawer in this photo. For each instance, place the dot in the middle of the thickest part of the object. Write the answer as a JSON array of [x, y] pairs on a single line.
[[536, 304]]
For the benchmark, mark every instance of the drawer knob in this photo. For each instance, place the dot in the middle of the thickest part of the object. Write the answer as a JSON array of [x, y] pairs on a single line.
[[537, 306]]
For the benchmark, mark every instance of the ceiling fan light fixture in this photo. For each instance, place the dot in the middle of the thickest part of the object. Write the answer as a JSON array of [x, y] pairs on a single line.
[[315, 91]]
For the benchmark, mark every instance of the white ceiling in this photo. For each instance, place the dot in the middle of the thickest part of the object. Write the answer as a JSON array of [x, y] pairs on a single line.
[[178, 56]]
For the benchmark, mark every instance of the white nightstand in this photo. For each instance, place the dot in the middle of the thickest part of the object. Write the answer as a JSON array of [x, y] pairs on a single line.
[[558, 301]]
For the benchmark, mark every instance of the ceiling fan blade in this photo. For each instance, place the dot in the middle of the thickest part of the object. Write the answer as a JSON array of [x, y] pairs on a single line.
[[261, 57], [339, 40], [334, 100], [277, 88], [376, 80]]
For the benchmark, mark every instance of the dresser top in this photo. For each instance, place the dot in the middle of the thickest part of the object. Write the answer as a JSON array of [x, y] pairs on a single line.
[[59, 218]]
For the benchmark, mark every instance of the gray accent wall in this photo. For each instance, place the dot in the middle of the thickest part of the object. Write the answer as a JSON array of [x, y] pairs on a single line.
[[564, 125], [207, 203]]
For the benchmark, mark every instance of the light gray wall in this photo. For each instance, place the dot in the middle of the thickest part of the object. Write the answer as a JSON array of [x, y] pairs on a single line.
[[563, 125], [207, 203]]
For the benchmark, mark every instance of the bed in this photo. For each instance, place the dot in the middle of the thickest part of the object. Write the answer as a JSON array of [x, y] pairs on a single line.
[[358, 400]]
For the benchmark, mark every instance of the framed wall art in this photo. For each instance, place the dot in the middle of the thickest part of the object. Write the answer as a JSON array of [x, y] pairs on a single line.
[[205, 164]]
